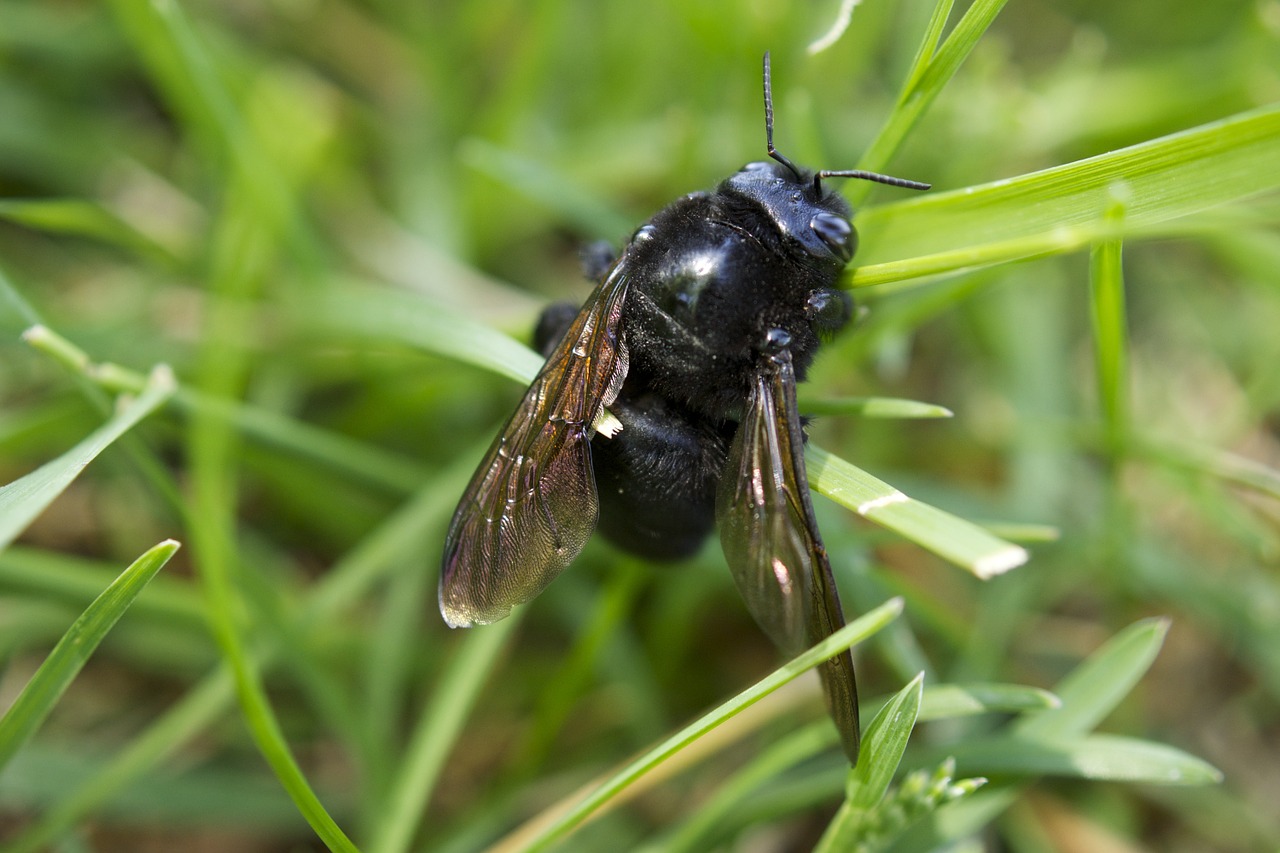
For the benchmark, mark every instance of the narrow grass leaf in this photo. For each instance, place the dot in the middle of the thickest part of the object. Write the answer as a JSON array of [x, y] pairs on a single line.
[[1016, 531], [693, 836], [60, 668], [932, 71], [190, 79], [384, 315], [946, 535], [1099, 757], [884, 743], [400, 537], [55, 577], [83, 218], [873, 407], [558, 822], [928, 46], [436, 733], [1229, 467], [534, 179], [1065, 207], [25, 498], [268, 428], [1095, 687], [947, 701], [1110, 336]]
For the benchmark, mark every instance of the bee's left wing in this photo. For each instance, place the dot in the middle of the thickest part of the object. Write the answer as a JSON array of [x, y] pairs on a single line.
[[532, 504], [770, 537]]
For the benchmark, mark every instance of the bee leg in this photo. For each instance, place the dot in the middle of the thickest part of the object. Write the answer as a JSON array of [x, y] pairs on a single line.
[[597, 259], [553, 322]]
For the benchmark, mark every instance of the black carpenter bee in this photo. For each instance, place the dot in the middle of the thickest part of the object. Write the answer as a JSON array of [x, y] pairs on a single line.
[[694, 339]]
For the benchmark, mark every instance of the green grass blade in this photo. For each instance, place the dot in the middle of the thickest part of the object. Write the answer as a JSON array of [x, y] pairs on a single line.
[[932, 72], [25, 498], [534, 179], [693, 835], [946, 535], [541, 833], [884, 743], [1095, 687], [1110, 336], [1229, 467], [1065, 208], [270, 429], [454, 696], [1099, 757], [399, 538], [60, 668], [384, 315], [873, 407], [948, 701], [928, 45], [84, 219], [55, 577], [194, 713], [186, 72]]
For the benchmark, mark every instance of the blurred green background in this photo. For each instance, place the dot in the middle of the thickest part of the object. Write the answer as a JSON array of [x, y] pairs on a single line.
[[298, 205]]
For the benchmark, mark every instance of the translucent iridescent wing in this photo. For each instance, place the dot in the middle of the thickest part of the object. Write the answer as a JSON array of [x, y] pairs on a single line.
[[771, 540], [532, 504]]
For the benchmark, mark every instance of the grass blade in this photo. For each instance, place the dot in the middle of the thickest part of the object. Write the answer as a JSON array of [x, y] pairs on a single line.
[[873, 407], [553, 825], [1110, 336], [436, 732], [1065, 208], [1095, 687], [931, 73], [384, 315], [85, 219], [1099, 757], [60, 668], [693, 836], [25, 498], [947, 701], [946, 535], [883, 745]]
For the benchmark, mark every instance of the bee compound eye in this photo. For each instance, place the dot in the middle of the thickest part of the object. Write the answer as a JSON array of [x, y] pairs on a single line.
[[836, 232]]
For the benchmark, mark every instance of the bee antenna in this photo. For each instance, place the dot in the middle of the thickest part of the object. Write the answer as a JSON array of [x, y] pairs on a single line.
[[768, 122], [861, 175], [858, 174]]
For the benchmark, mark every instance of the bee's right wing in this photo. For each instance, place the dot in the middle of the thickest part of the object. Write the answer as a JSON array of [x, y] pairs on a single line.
[[532, 504], [771, 541]]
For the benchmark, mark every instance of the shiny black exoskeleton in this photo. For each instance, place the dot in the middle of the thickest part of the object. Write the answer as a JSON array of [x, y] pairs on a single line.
[[712, 273], [693, 340]]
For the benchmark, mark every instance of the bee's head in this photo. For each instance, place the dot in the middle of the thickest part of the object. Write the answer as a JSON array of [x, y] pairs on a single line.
[[795, 199]]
